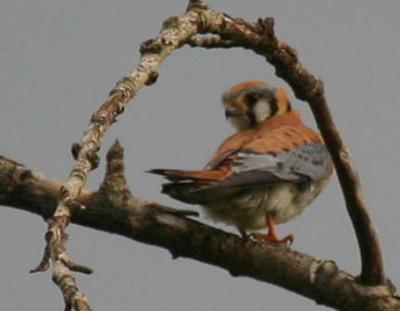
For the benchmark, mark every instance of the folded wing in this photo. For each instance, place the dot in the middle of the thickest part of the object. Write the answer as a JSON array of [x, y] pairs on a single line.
[[280, 151]]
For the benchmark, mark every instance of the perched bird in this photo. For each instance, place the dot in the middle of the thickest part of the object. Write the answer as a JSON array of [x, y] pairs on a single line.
[[266, 173]]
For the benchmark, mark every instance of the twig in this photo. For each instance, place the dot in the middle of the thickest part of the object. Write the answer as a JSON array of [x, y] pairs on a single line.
[[174, 32], [212, 42], [121, 213]]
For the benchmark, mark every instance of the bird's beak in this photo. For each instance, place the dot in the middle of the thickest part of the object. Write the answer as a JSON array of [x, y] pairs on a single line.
[[229, 112]]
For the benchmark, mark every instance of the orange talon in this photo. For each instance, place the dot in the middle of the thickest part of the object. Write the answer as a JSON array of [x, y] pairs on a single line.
[[272, 235]]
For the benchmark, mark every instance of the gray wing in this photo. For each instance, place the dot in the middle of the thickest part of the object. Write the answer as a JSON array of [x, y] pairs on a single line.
[[309, 162]]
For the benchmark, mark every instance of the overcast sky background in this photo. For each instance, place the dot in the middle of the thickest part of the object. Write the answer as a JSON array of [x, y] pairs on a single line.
[[58, 61]]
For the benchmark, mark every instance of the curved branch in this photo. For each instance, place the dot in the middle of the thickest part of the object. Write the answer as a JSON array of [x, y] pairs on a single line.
[[261, 38], [177, 31], [115, 210]]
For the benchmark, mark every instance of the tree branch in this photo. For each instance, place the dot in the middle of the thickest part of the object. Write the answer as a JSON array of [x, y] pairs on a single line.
[[260, 37], [175, 31], [114, 209], [230, 32]]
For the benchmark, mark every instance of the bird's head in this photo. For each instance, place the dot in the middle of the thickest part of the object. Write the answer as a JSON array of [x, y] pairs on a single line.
[[252, 102]]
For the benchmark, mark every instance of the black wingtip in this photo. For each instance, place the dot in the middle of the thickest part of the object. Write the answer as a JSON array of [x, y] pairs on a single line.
[[168, 174], [166, 187], [156, 171]]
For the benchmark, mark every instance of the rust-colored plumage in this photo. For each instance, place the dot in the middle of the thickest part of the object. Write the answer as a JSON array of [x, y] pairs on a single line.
[[265, 173], [276, 134]]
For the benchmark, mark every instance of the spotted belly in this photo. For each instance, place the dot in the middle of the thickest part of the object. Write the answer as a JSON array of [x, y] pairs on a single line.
[[247, 209]]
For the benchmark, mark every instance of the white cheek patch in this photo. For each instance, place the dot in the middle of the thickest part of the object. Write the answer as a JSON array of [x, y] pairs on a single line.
[[262, 110]]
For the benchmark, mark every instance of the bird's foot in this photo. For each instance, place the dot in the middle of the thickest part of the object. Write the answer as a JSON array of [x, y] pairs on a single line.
[[271, 238]]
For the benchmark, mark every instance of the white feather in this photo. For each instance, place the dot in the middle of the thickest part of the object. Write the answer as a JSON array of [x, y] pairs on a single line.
[[262, 110]]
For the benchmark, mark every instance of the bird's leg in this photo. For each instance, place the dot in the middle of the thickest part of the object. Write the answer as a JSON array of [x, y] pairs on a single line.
[[272, 235]]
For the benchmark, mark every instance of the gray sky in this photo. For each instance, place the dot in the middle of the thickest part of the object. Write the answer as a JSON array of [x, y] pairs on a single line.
[[59, 59]]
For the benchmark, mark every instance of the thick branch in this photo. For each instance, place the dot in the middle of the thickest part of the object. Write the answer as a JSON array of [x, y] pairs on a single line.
[[116, 211], [261, 38], [230, 32]]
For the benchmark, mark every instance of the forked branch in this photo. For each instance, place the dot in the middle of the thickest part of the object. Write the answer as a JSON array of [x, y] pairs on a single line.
[[114, 209], [228, 32]]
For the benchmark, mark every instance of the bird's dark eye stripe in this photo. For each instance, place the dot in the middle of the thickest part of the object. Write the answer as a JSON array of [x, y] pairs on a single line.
[[252, 118], [274, 105], [252, 99]]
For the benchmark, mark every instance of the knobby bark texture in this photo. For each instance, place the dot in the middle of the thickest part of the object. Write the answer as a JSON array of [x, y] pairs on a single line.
[[114, 209], [202, 27], [260, 37]]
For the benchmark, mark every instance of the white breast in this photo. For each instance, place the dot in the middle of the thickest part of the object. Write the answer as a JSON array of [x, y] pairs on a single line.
[[247, 209]]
